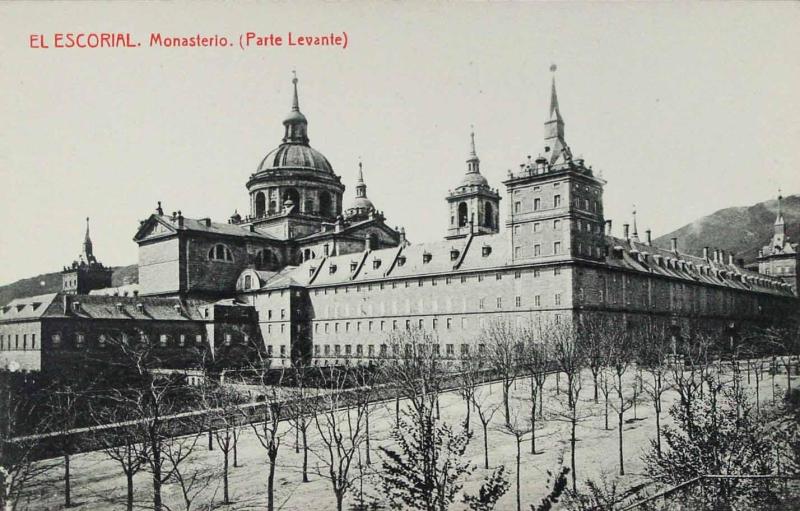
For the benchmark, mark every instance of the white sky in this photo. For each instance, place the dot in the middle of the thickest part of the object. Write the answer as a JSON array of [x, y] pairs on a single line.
[[686, 108]]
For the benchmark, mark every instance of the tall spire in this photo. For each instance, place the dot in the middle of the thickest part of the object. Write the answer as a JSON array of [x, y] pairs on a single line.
[[361, 186], [295, 124], [635, 235], [779, 218], [295, 101], [473, 162], [556, 149], [555, 113], [87, 245], [779, 236]]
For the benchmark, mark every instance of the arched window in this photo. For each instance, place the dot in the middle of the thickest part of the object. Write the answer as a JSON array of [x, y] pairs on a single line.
[[309, 206], [260, 205], [488, 215], [272, 206], [220, 252], [325, 204], [462, 214], [248, 281], [292, 195], [266, 258]]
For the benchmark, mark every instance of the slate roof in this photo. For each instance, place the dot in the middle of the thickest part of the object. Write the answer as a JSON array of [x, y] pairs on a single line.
[[30, 307], [200, 225]]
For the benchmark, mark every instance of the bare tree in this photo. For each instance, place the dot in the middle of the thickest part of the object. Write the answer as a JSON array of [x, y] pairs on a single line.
[[191, 479], [485, 407], [222, 407], [300, 412], [517, 427], [341, 429], [122, 438], [569, 356], [503, 341], [536, 362], [687, 370], [18, 415], [620, 345], [268, 431], [469, 377], [652, 354], [62, 405]]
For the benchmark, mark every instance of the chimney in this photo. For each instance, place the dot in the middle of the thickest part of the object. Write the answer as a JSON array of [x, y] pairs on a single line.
[[402, 232], [673, 244], [716, 255], [140, 307], [180, 219], [608, 227], [648, 237], [367, 243], [207, 222], [625, 231], [705, 253], [730, 259], [740, 262], [721, 256]]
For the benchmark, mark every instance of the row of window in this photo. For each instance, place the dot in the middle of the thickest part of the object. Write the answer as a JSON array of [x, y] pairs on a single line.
[[17, 342], [433, 281], [347, 350], [80, 340], [384, 325]]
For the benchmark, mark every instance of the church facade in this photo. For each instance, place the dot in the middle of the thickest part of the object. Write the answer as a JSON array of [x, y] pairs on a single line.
[[311, 278]]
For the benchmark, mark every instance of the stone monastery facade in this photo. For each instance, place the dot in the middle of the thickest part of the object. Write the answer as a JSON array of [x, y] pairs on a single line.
[[310, 279]]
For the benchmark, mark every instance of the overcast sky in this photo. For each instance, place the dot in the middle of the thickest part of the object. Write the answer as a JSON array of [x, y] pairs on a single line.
[[685, 108]]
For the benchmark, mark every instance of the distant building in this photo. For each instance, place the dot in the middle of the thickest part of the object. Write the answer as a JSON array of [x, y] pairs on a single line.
[[310, 280], [86, 273], [780, 257]]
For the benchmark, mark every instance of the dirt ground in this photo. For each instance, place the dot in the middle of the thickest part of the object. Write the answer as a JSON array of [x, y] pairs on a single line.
[[98, 483]]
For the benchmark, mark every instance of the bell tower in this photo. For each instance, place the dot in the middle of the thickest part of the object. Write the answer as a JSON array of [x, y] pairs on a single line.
[[473, 205], [556, 202]]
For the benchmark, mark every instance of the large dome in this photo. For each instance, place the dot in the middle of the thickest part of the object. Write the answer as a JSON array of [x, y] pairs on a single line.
[[295, 156]]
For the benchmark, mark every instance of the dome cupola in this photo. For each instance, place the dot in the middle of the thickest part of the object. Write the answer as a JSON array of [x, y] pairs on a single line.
[[361, 205]]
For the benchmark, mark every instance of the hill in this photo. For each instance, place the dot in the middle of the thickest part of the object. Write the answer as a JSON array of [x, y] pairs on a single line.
[[740, 230], [51, 283]]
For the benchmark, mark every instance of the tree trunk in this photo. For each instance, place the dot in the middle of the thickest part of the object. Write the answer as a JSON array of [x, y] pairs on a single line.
[[658, 431], [210, 439], [271, 484], [519, 503], [397, 411], [594, 377], [466, 421], [788, 366], [558, 382], [572, 454], [485, 445], [621, 465], [67, 483], [235, 448], [540, 391], [297, 436], [129, 499], [156, 477], [305, 456], [339, 498], [225, 495], [505, 402], [533, 418], [366, 432]]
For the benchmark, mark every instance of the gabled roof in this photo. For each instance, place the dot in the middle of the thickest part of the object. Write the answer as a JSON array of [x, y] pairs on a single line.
[[30, 307], [172, 225], [349, 230]]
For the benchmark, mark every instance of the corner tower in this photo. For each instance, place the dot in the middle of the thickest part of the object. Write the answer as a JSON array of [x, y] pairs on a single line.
[[86, 273], [556, 202], [473, 205]]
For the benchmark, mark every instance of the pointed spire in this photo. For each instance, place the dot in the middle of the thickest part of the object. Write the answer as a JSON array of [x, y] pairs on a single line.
[[555, 113], [296, 125], [556, 149], [779, 217], [473, 162], [361, 186], [87, 245], [295, 101], [635, 235]]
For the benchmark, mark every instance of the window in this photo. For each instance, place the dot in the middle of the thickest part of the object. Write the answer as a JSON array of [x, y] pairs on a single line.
[[283, 313], [537, 227], [537, 203], [557, 299], [394, 324], [283, 350], [537, 301], [481, 303], [449, 350], [556, 225], [162, 340], [499, 302], [420, 324], [556, 201], [348, 350], [449, 323], [465, 349], [556, 271], [408, 324], [517, 252], [537, 273], [198, 339], [434, 323], [517, 206], [426, 257], [517, 274], [518, 301], [220, 252], [228, 338], [182, 340], [556, 247], [537, 250], [498, 276], [55, 339], [463, 279], [79, 340]]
